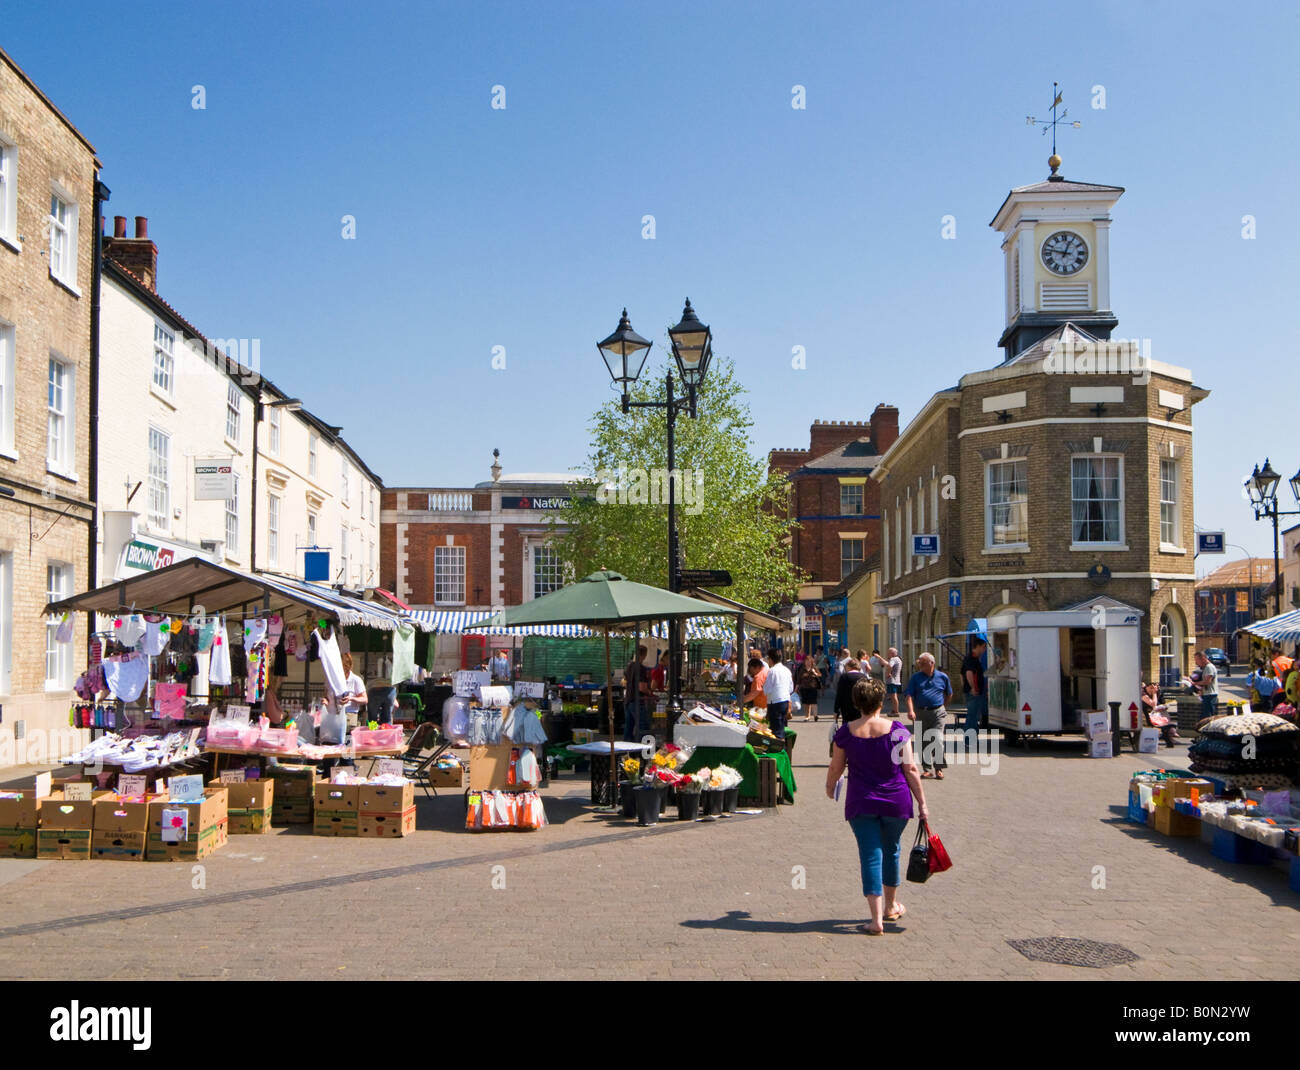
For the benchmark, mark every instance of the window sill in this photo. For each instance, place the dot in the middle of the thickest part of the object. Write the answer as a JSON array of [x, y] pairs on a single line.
[[1169, 548], [70, 477], [13, 244], [233, 445], [1007, 548], [1094, 547], [167, 399], [9, 455], [70, 287]]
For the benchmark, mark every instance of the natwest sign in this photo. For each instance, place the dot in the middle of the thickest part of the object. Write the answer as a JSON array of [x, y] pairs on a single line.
[[146, 556], [527, 501]]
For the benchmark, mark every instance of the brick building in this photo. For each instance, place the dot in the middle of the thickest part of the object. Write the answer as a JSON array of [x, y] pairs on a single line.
[[1062, 474], [1232, 596], [836, 506], [48, 182], [468, 551]]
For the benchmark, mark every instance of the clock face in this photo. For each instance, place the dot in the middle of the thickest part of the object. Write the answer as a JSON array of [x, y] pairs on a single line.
[[1064, 253]]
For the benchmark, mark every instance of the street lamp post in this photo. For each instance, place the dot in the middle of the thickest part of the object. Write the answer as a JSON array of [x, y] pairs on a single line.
[[1262, 489], [259, 409], [625, 353]]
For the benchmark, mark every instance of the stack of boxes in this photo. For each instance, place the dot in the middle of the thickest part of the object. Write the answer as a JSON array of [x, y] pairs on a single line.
[[295, 786], [250, 806], [335, 812], [207, 828], [121, 830], [1096, 726], [65, 826], [18, 824], [385, 811]]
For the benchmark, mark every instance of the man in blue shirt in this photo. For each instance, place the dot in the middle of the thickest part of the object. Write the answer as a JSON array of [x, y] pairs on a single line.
[[928, 692]]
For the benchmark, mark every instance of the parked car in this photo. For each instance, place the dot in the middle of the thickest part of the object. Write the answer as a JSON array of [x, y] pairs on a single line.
[[1218, 657]]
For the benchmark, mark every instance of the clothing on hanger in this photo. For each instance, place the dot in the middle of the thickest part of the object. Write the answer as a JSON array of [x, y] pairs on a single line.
[[127, 676], [128, 630], [403, 653], [327, 649], [157, 634], [219, 670]]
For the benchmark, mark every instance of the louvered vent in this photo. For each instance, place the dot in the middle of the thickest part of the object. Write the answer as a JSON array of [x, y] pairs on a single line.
[[1064, 296]]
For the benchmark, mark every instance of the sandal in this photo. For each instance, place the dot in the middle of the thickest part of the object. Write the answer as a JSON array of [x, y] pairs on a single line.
[[938, 775], [898, 912], [927, 776], [870, 931]]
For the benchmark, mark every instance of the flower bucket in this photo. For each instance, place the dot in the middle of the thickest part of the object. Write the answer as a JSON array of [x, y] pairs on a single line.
[[649, 801], [730, 796], [711, 804], [627, 800], [688, 805]]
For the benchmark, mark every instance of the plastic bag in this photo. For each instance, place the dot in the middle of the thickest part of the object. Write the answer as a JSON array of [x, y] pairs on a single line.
[[528, 770]]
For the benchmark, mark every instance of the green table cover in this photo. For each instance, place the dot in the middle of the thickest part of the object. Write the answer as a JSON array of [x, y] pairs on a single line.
[[745, 762]]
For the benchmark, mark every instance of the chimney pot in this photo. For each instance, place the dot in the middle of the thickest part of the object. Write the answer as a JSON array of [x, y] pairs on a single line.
[[119, 226], [141, 227]]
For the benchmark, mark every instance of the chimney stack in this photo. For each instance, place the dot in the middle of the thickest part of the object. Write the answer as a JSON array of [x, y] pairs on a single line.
[[138, 255]]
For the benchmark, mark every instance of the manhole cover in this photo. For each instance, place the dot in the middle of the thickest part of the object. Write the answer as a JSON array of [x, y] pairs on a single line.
[[1071, 951]]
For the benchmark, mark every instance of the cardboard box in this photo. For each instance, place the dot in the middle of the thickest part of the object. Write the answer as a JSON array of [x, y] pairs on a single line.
[[1149, 740], [339, 797], [67, 845], [250, 822], [293, 782], [335, 823], [292, 812], [1184, 789], [118, 846], [203, 816], [58, 812], [114, 816], [447, 778], [196, 847], [18, 843], [1095, 721], [386, 826], [250, 795], [1099, 748], [20, 813], [383, 799], [489, 766], [1170, 823]]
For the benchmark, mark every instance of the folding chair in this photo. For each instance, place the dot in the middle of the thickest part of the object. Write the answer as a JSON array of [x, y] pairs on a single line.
[[415, 763]]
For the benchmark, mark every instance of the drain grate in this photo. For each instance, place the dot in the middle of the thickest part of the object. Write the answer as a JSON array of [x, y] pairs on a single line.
[[1071, 951]]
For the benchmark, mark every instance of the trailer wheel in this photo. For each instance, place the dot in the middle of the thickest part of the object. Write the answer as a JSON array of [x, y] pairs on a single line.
[[1011, 737]]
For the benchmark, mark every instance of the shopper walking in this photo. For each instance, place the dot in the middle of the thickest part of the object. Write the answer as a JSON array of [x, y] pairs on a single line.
[[882, 781], [778, 687], [928, 693], [636, 696], [972, 683], [809, 683], [893, 678]]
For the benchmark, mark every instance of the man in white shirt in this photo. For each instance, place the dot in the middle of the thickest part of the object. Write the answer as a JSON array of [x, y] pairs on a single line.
[[894, 677], [778, 687], [354, 694]]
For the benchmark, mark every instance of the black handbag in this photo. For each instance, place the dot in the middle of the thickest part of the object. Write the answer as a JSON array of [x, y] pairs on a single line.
[[918, 862]]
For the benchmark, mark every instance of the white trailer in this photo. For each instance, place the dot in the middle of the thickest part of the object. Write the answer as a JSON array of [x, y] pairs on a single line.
[[1048, 668]]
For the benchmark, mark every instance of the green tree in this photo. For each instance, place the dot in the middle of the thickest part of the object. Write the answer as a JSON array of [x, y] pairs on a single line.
[[731, 514]]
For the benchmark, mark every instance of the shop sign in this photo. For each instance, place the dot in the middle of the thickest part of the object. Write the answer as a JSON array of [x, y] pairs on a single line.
[[812, 624], [925, 545], [525, 501], [835, 607], [146, 557], [214, 479], [1211, 542]]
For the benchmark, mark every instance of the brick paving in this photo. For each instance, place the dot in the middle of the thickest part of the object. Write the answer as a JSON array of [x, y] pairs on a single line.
[[596, 897]]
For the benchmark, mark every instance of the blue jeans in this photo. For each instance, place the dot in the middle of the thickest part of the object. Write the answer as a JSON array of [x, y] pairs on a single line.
[[777, 714], [878, 850], [976, 707], [632, 720], [1210, 705]]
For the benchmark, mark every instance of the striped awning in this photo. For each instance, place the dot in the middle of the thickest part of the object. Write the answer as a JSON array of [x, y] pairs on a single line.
[[1284, 629], [460, 620]]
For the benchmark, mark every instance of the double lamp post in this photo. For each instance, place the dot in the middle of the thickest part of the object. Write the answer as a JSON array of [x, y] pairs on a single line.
[[625, 353], [1262, 488]]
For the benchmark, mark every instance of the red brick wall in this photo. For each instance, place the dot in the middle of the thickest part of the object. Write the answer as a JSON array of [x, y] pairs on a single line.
[[817, 542], [420, 542]]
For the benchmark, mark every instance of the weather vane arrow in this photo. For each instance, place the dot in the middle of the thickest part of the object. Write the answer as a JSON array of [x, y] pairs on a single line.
[[1053, 123]]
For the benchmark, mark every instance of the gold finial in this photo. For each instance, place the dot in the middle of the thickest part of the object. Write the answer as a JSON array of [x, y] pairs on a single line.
[[1054, 162]]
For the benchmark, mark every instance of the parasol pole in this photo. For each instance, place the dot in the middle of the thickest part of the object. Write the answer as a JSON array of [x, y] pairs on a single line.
[[609, 710]]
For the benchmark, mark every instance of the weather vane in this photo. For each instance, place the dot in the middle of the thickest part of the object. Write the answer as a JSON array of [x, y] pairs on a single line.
[[1053, 123]]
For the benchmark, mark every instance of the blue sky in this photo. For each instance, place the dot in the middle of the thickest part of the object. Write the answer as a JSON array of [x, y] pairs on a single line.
[[478, 227]]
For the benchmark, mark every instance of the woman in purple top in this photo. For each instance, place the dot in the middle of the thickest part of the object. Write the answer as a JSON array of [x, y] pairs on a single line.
[[878, 799]]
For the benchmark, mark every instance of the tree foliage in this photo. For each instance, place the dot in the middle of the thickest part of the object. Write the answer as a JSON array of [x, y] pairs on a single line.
[[731, 514]]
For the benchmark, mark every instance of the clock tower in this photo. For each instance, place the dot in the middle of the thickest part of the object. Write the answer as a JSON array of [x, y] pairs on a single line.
[[1056, 242]]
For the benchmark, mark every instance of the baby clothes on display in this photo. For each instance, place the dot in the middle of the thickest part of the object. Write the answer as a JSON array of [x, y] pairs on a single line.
[[219, 670], [207, 633], [157, 634], [254, 632], [64, 632], [129, 630], [336, 680], [255, 676], [127, 676], [403, 653], [169, 700]]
